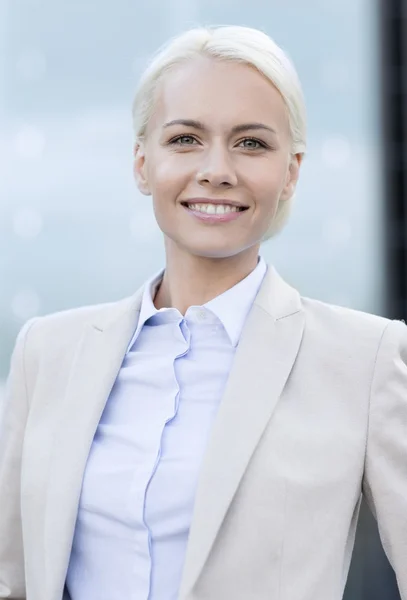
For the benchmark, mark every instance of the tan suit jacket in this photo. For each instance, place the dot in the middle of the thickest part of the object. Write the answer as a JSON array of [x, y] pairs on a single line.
[[314, 413]]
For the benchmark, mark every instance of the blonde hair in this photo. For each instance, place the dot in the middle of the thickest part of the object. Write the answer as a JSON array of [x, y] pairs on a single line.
[[234, 43]]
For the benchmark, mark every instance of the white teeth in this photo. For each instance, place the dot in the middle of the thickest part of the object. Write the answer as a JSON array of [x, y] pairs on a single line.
[[212, 209]]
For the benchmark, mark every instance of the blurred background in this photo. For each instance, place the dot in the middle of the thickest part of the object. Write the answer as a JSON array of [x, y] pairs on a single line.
[[73, 228]]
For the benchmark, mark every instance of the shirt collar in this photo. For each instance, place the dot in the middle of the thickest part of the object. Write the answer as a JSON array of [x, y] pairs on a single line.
[[231, 307], [147, 308]]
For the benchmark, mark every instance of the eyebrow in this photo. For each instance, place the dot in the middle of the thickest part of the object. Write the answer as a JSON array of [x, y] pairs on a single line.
[[236, 129]]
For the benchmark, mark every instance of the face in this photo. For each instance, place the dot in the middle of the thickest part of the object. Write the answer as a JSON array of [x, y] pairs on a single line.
[[216, 158]]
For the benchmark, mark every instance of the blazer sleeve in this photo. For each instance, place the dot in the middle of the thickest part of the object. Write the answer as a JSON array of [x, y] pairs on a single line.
[[13, 417], [385, 477]]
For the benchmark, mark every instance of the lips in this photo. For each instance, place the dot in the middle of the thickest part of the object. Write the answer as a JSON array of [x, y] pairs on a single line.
[[209, 208], [213, 202], [210, 212]]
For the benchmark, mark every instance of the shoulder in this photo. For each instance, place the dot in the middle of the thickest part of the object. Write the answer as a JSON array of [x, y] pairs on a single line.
[[349, 333], [342, 338], [344, 321], [63, 328], [322, 320]]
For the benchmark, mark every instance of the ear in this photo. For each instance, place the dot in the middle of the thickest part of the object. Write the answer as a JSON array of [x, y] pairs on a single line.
[[140, 168], [292, 176]]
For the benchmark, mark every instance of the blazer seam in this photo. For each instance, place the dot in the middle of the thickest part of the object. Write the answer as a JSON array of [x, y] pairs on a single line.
[[281, 570], [289, 315], [283, 316], [29, 326], [371, 388]]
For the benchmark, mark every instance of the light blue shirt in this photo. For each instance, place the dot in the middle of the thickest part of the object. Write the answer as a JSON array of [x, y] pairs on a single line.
[[141, 476]]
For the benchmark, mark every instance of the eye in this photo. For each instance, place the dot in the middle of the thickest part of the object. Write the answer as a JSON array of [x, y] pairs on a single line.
[[252, 144], [183, 140]]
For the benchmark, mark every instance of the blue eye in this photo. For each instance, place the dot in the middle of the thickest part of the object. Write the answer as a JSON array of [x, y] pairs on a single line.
[[252, 144], [184, 140]]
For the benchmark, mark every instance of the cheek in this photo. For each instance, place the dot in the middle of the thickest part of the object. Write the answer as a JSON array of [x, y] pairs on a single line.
[[267, 183], [170, 173]]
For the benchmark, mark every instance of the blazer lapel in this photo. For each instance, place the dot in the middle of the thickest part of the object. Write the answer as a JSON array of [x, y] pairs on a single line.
[[96, 365], [267, 351]]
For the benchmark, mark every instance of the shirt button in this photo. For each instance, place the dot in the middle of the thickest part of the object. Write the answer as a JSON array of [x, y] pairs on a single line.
[[202, 315]]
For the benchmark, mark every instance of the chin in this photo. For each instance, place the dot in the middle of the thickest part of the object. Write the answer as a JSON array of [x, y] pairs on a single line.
[[215, 254], [215, 251], [210, 246]]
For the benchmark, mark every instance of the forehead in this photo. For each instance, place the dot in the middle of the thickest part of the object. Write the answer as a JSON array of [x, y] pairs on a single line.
[[218, 92]]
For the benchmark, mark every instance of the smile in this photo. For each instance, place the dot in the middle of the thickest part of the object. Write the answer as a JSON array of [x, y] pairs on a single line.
[[214, 213], [212, 209]]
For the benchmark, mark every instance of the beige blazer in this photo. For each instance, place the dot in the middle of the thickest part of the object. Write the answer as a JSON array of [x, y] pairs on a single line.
[[314, 413]]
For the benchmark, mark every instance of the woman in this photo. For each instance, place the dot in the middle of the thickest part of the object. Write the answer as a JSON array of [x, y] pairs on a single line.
[[208, 438]]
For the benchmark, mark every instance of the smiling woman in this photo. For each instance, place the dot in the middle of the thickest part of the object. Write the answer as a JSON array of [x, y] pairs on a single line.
[[220, 71], [219, 120], [208, 438]]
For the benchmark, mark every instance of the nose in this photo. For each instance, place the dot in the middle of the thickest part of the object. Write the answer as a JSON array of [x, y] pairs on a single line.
[[217, 169]]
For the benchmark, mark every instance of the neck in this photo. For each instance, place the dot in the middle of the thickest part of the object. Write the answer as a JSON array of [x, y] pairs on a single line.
[[194, 280]]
